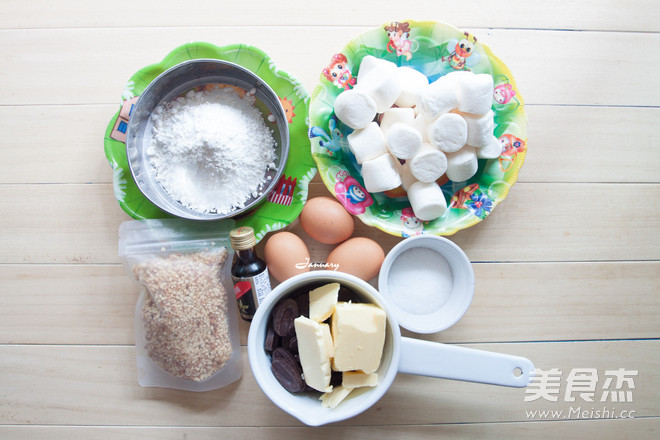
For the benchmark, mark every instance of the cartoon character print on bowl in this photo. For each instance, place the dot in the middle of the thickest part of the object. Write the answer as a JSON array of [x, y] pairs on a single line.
[[338, 72], [351, 194], [332, 139], [462, 56], [511, 147], [288, 107], [411, 225], [504, 96], [503, 93], [398, 34]]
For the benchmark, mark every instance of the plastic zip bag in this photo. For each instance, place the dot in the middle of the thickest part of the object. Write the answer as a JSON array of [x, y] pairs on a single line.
[[186, 323]]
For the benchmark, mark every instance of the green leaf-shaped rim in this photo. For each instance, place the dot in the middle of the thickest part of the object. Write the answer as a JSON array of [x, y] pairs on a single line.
[[300, 167], [470, 202]]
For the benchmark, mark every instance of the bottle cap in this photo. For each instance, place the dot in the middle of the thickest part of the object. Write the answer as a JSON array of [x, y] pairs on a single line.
[[242, 238]]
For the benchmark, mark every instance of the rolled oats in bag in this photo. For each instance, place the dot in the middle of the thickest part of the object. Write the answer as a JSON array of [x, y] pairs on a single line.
[[186, 324]]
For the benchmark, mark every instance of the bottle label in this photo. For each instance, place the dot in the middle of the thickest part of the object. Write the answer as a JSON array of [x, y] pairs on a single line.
[[241, 287], [262, 285], [250, 292]]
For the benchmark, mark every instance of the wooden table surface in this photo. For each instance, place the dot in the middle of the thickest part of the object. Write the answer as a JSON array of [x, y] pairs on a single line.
[[567, 267]]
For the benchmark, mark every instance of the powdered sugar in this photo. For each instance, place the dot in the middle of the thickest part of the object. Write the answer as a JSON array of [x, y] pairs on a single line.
[[211, 149]]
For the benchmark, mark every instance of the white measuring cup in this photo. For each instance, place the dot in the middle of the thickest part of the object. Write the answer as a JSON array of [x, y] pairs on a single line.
[[400, 355]]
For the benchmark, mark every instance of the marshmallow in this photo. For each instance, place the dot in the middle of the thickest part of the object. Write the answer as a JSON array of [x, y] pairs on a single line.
[[438, 97], [462, 164], [475, 94], [367, 143], [407, 177], [479, 129], [427, 200], [355, 109], [491, 151], [403, 141], [420, 123], [457, 76], [382, 84], [413, 83], [381, 174], [448, 132], [429, 164], [369, 62], [396, 114]]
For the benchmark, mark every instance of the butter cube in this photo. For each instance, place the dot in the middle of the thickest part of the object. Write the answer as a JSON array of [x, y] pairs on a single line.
[[322, 301], [314, 350], [334, 398], [327, 338], [356, 379], [358, 333]]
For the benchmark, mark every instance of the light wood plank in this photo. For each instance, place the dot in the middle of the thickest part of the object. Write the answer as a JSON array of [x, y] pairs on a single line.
[[88, 385], [89, 304], [547, 72], [560, 301], [538, 59], [537, 222], [54, 144], [640, 15], [565, 144], [604, 429], [43, 221], [73, 304], [567, 223], [591, 144]]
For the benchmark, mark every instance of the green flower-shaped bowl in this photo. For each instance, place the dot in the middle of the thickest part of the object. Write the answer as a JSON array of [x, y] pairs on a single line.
[[285, 202]]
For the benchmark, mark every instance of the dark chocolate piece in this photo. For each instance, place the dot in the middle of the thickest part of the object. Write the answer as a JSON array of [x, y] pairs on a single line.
[[284, 313], [291, 344], [281, 352], [287, 371], [347, 295], [336, 378], [272, 340], [303, 304]]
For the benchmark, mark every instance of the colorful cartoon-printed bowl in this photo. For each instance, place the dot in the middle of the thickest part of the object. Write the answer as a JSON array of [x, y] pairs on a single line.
[[433, 49], [285, 202]]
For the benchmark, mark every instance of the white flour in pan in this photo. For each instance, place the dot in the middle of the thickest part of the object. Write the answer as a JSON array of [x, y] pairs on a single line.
[[211, 149]]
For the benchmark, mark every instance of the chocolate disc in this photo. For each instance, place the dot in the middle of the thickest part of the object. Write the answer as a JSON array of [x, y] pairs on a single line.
[[287, 371], [272, 340], [284, 313]]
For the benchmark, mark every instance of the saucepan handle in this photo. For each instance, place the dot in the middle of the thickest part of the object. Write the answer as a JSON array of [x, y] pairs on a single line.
[[433, 359]]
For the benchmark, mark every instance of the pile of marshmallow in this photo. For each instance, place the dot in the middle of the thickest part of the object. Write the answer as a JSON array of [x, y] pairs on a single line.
[[425, 131]]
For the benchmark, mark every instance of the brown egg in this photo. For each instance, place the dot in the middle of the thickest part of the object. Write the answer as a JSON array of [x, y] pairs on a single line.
[[359, 256], [326, 220], [286, 255]]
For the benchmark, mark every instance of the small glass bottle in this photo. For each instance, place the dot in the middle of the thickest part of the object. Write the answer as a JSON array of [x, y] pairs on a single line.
[[248, 272]]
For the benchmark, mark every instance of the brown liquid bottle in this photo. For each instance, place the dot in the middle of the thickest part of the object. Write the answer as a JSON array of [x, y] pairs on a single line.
[[249, 273]]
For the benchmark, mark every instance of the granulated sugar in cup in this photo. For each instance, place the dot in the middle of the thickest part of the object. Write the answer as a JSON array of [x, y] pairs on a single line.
[[428, 281]]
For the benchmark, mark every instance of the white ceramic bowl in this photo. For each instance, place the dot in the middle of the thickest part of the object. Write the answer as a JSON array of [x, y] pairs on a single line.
[[307, 406], [428, 282]]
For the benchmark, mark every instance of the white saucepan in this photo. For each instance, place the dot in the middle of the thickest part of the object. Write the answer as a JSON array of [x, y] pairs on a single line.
[[400, 355]]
